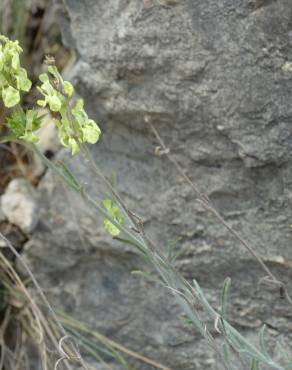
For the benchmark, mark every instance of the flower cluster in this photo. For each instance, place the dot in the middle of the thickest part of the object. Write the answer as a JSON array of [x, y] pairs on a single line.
[[74, 126], [13, 78]]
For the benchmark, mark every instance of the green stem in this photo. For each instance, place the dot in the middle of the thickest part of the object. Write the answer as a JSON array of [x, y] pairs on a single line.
[[87, 198], [168, 274]]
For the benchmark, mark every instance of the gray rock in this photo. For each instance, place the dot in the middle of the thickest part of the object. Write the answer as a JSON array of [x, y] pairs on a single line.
[[2, 216], [19, 204], [213, 78]]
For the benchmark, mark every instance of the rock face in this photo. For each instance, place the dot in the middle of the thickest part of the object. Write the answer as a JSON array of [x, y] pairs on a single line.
[[212, 77]]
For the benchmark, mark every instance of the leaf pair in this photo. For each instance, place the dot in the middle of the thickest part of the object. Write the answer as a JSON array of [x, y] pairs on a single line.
[[115, 213]]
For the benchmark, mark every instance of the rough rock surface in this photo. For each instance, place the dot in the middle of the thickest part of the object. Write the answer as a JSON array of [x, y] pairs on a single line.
[[2, 216], [213, 78]]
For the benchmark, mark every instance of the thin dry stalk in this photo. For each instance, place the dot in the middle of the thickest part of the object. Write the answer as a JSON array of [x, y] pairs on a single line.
[[204, 200], [3, 328], [36, 284], [40, 319], [77, 325]]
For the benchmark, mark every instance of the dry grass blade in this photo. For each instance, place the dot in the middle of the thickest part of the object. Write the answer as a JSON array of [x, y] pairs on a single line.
[[33, 318], [36, 284], [20, 313]]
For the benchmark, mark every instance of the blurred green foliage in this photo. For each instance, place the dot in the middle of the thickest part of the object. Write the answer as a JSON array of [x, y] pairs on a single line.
[[13, 19]]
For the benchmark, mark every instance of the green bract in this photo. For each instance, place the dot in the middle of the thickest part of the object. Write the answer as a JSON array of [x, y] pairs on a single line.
[[24, 124], [74, 126], [114, 211], [10, 96], [51, 96], [13, 78]]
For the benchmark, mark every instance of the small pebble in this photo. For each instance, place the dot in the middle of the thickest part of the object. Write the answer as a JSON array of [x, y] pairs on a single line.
[[19, 205]]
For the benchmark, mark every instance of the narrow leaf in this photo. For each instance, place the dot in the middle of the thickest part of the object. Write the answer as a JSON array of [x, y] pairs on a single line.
[[148, 276], [262, 341], [254, 364], [224, 296], [69, 175], [226, 354]]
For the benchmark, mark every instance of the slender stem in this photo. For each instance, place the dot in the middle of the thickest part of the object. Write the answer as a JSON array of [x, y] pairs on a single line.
[[130, 217], [81, 191]]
